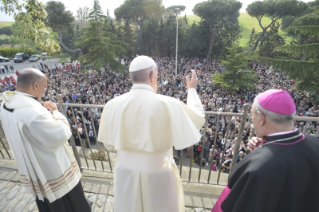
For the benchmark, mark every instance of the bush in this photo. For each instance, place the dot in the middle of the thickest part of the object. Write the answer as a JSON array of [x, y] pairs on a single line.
[[10, 52], [4, 41], [96, 155]]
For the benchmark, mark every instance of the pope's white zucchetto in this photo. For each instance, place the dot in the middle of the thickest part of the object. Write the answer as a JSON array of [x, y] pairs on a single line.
[[140, 63]]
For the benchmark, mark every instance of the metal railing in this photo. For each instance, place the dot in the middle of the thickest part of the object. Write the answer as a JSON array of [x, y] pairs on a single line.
[[94, 164]]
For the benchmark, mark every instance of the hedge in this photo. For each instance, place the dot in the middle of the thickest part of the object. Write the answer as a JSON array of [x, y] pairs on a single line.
[[10, 52]]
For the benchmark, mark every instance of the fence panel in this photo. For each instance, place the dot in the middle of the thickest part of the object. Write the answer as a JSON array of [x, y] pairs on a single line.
[[188, 173]]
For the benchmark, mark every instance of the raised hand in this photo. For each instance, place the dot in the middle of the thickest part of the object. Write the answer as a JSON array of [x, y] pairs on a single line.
[[192, 83]]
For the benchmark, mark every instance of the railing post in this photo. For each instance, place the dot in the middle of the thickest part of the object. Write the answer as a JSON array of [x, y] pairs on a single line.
[[305, 127], [222, 158], [181, 163], [75, 151], [213, 154], [240, 136], [202, 152]]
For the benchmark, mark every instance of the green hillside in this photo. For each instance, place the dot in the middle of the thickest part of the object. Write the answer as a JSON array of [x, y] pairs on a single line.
[[246, 23], [5, 24]]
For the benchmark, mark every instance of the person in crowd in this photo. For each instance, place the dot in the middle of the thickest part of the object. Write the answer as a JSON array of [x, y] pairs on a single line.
[[240, 156], [214, 167], [206, 151], [227, 163], [283, 165], [38, 137], [143, 127]]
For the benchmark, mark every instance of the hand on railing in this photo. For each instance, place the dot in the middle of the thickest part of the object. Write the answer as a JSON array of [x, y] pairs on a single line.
[[253, 143]]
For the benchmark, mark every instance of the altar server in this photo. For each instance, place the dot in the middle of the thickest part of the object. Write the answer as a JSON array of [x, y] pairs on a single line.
[[38, 140]]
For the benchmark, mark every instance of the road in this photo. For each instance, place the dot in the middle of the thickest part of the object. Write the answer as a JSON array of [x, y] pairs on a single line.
[[27, 64]]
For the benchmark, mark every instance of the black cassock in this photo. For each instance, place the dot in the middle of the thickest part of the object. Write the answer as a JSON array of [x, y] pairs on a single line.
[[282, 175], [74, 201]]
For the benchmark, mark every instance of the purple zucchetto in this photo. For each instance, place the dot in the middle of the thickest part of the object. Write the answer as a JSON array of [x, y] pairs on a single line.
[[277, 101]]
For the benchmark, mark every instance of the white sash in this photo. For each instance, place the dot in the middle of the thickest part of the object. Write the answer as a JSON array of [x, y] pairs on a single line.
[[145, 163]]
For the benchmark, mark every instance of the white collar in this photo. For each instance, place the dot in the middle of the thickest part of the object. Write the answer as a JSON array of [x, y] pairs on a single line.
[[142, 86], [283, 133], [25, 94]]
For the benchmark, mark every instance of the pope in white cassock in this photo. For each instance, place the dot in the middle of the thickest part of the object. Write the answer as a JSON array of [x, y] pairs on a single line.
[[143, 127]]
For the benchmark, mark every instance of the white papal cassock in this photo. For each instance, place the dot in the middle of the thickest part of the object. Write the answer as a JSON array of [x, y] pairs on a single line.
[[143, 127]]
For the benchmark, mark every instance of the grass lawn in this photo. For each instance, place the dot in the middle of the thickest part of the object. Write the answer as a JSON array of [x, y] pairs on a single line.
[[191, 19], [246, 23], [3, 36], [5, 23], [63, 60]]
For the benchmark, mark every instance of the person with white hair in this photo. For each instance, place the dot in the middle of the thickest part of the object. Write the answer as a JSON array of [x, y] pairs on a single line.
[[143, 127], [282, 172]]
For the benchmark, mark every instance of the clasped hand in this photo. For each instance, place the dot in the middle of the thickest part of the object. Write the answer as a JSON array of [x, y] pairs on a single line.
[[50, 106]]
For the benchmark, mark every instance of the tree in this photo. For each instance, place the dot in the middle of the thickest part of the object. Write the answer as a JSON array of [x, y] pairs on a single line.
[[303, 54], [30, 14], [6, 31], [137, 11], [237, 76], [215, 13], [27, 43], [103, 48], [81, 16], [61, 21], [270, 42], [195, 43], [273, 9], [172, 10]]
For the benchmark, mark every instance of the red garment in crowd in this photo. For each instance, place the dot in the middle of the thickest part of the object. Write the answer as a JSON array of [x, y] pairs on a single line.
[[3, 82], [7, 79], [13, 81]]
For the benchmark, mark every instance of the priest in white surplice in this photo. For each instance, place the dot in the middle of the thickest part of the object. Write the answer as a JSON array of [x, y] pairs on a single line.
[[143, 127], [38, 139]]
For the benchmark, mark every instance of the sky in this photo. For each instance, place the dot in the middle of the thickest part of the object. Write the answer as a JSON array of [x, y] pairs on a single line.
[[73, 5]]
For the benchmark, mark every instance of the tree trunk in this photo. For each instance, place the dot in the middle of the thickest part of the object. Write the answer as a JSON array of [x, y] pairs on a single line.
[[259, 38], [75, 51], [263, 33], [211, 45], [138, 36], [212, 40]]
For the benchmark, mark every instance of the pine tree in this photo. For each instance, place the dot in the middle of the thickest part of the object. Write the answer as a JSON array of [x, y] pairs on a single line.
[[103, 48], [237, 75], [302, 64]]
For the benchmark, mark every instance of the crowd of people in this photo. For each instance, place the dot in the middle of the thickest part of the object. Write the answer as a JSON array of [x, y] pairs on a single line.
[[84, 85]]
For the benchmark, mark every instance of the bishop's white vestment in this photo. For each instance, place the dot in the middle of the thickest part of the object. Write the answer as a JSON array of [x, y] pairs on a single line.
[[143, 127]]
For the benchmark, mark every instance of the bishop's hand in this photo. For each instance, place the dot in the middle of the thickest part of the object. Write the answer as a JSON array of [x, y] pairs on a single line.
[[253, 143], [192, 83]]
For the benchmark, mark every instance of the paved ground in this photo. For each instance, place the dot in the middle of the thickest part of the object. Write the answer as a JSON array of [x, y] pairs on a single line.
[[13, 198], [98, 187], [27, 64]]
